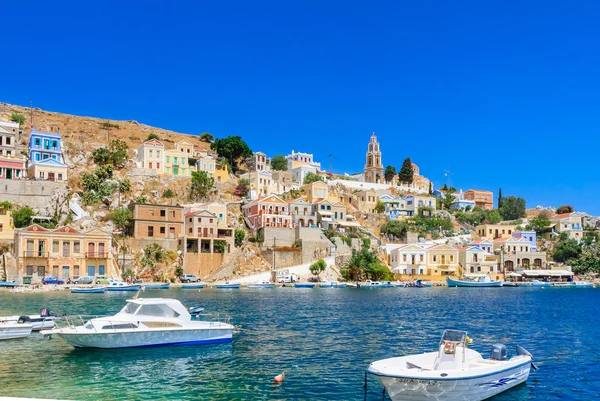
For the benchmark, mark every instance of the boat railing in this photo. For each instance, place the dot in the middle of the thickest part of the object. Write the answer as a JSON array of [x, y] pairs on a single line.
[[216, 319]]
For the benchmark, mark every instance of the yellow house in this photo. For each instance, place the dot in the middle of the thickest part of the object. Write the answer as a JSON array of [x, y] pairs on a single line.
[[221, 173], [442, 260], [493, 231], [366, 201], [315, 191], [176, 163], [7, 228], [48, 170], [339, 212], [474, 259], [151, 156], [570, 223], [208, 164], [185, 147]]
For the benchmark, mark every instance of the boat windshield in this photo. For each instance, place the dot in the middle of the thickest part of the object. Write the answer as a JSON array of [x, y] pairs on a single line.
[[130, 308], [157, 310], [456, 336]]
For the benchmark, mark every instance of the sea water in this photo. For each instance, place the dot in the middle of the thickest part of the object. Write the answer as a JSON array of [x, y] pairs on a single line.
[[323, 339]]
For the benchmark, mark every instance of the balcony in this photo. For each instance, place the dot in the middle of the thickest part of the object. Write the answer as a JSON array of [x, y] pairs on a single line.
[[35, 254], [96, 255]]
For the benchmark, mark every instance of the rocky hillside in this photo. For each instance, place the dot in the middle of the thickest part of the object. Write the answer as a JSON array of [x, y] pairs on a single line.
[[84, 134]]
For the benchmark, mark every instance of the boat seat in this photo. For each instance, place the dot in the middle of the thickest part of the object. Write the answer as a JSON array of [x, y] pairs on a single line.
[[449, 347]]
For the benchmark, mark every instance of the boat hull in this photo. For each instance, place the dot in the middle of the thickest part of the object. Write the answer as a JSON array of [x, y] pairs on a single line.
[[164, 286], [304, 285], [271, 285], [133, 287], [228, 286], [193, 286], [134, 339], [474, 388], [12, 331], [9, 284], [463, 283], [99, 290]]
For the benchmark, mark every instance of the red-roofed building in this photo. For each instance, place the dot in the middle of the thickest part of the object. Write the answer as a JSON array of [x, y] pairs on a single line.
[[271, 211], [483, 199]]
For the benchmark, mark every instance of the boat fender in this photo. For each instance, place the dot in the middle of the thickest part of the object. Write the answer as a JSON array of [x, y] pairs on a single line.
[[279, 378], [24, 319]]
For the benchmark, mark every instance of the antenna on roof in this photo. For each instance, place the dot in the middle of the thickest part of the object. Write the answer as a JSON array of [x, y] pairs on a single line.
[[447, 174]]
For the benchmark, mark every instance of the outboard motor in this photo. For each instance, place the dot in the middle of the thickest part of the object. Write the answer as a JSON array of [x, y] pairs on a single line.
[[45, 312], [498, 352], [24, 319]]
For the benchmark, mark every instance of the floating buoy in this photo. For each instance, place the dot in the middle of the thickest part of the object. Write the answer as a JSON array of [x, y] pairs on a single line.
[[279, 378]]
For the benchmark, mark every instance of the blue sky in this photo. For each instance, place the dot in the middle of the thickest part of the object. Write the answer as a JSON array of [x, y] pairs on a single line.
[[503, 94]]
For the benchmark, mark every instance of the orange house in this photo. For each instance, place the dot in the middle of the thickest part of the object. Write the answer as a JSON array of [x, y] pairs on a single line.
[[482, 199], [271, 211]]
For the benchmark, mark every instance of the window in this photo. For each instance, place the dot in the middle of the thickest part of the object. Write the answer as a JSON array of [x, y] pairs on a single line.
[[175, 159], [420, 258], [163, 213], [158, 165], [150, 165], [60, 177], [162, 230], [434, 258], [158, 153], [55, 246], [172, 213], [8, 140], [404, 258], [168, 159], [38, 141], [76, 270], [150, 231], [66, 249], [29, 270], [150, 153]]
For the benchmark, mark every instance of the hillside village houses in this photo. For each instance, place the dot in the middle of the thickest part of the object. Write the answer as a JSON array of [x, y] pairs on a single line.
[[7, 227], [12, 166], [45, 157], [482, 199], [569, 223]]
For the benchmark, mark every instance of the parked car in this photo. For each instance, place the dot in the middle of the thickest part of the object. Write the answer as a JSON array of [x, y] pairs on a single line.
[[288, 279], [103, 280], [52, 280], [84, 280], [189, 278]]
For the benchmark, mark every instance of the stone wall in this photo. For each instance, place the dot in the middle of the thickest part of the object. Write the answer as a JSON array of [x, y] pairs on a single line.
[[283, 258], [283, 236], [202, 264], [38, 195]]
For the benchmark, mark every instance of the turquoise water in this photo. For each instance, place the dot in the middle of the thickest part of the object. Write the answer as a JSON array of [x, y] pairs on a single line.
[[323, 338]]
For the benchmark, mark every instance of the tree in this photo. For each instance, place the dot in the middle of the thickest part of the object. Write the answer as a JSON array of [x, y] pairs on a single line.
[[406, 172], [448, 200], [379, 207], [101, 155], [119, 152], [239, 236], [168, 193], [18, 118], [279, 163], [140, 199], [564, 209], [151, 136], [538, 224], [206, 137], [104, 172], [318, 267], [588, 261], [430, 188], [121, 218], [311, 177], [377, 271], [6, 205], [201, 185], [390, 173], [242, 188], [512, 208], [4, 249], [395, 229], [22, 217], [566, 250], [231, 148], [500, 198], [491, 216]]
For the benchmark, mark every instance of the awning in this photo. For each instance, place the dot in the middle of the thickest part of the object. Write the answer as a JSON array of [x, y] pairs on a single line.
[[514, 274], [328, 219], [349, 224], [543, 273], [325, 213], [446, 269]]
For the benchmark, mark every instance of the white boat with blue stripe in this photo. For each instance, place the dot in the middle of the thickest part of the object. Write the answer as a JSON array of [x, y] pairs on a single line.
[[454, 372], [144, 323]]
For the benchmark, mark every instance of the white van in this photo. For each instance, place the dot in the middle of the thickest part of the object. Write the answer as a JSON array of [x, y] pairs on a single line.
[[288, 279]]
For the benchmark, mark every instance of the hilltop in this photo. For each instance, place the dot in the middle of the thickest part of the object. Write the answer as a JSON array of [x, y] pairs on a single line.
[[84, 134]]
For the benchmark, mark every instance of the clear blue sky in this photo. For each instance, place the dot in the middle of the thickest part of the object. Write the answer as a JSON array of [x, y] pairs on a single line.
[[500, 93]]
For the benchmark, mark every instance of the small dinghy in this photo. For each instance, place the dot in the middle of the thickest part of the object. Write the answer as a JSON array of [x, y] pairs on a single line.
[[12, 330], [89, 290], [158, 286], [454, 372], [121, 286], [262, 284], [43, 321], [227, 285], [326, 284], [9, 284], [191, 286]]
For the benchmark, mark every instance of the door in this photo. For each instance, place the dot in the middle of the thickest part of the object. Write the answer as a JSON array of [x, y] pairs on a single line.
[[9, 174], [91, 271], [101, 270], [41, 271], [55, 271], [101, 250], [51, 176], [66, 272], [91, 250]]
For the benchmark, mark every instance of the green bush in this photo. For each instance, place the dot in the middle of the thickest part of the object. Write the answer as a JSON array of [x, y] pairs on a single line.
[[239, 236]]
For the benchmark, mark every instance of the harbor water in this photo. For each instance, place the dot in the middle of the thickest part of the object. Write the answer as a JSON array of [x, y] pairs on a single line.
[[323, 339]]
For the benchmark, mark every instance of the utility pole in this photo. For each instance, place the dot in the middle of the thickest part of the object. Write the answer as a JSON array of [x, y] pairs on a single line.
[[31, 114], [330, 165], [273, 271]]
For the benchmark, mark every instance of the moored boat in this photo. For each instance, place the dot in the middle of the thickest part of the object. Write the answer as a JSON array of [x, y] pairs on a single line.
[[121, 286], [144, 323], [376, 284], [262, 284], [42, 321], [453, 372], [9, 284], [227, 285], [326, 284], [89, 290], [337, 284], [12, 330], [474, 280], [573, 284], [191, 286], [158, 286], [304, 285]]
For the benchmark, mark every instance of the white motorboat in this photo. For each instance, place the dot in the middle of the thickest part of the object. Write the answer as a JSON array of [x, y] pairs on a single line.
[[262, 284], [474, 280], [326, 284], [454, 372], [9, 330], [43, 321], [228, 286], [122, 286], [144, 323], [375, 284]]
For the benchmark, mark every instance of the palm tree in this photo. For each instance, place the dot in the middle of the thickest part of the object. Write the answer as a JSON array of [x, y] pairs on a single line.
[[4, 249]]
